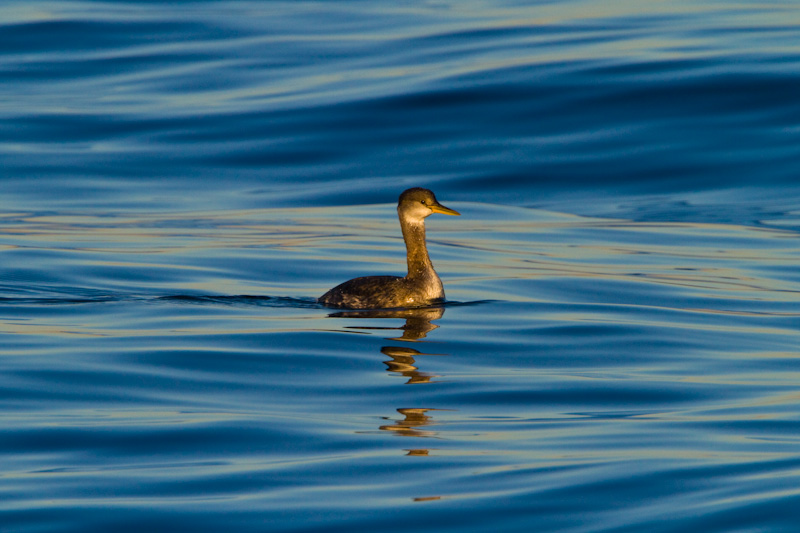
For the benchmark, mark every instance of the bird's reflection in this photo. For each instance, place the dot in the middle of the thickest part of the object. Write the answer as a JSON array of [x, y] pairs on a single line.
[[418, 323], [417, 326], [402, 362], [410, 425]]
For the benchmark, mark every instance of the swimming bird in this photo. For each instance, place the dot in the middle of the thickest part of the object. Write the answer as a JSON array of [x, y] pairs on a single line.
[[421, 286]]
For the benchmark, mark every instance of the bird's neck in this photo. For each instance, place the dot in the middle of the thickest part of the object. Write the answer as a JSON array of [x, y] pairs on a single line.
[[419, 263]]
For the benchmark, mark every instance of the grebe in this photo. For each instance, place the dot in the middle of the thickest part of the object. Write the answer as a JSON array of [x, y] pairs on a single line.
[[421, 286]]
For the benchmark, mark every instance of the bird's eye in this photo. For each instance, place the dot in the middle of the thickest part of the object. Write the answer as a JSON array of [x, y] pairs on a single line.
[[424, 202]]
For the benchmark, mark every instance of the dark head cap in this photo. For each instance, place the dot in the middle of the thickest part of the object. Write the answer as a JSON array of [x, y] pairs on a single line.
[[424, 197]]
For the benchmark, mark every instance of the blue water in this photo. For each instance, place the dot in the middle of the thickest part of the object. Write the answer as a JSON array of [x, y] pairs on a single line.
[[619, 350]]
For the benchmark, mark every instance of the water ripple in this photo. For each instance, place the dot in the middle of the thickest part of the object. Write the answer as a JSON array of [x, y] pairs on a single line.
[[181, 181]]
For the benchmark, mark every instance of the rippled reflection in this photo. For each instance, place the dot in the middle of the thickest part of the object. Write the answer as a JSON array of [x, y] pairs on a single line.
[[403, 361], [410, 424], [418, 322]]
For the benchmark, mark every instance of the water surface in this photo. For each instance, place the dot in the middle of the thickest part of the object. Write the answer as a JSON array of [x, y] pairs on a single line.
[[619, 347]]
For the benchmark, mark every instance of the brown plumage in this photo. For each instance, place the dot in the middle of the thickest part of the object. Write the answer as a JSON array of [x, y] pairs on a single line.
[[421, 286]]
